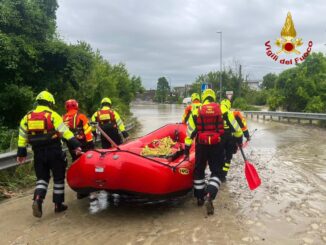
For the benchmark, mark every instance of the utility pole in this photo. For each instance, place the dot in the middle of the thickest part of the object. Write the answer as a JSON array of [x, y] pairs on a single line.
[[240, 80], [219, 32]]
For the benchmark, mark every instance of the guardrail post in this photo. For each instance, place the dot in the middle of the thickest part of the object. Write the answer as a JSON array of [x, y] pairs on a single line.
[[271, 117], [310, 122], [298, 120], [279, 118], [263, 117]]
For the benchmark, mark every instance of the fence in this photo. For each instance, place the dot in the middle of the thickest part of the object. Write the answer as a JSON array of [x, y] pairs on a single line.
[[299, 116]]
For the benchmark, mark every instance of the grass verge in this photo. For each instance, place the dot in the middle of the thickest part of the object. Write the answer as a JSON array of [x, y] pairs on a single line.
[[12, 180]]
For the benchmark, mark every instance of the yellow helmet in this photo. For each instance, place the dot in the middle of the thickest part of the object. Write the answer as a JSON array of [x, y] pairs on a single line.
[[45, 95], [208, 93], [106, 100], [195, 96], [226, 103]]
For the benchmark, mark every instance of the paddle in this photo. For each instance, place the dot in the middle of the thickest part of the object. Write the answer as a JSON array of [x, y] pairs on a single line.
[[252, 176], [107, 137]]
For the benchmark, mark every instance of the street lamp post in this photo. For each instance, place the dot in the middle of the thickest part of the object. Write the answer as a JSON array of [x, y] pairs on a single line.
[[219, 32]]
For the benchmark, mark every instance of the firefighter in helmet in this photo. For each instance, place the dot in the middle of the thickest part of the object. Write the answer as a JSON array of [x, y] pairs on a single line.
[[206, 124], [43, 128], [78, 124], [109, 120], [232, 136], [195, 104]]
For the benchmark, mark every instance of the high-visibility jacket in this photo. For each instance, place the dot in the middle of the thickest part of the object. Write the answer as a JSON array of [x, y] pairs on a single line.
[[189, 110], [78, 124], [206, 123], [230, 123], [42, 126], [242, 122], [108, 116]]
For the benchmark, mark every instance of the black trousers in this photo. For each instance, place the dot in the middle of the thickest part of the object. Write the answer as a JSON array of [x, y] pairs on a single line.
[[230, 148], [49, 160], [214, 156], [114, 135]]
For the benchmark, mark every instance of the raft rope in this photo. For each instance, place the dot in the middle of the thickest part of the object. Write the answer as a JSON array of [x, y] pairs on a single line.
[[103, 153]]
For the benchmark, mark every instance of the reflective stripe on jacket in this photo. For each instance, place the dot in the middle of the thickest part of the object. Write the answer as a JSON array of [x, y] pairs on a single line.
[[188, 111], [117, 118], [230, 123], [241, 120], [78, 123], [56, 120]]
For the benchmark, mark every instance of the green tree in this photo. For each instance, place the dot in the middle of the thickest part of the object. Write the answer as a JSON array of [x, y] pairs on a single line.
[[315, 105], [15, 102], [32, 58], [269, 81], [300, 85], [162, 90], [136, 85]]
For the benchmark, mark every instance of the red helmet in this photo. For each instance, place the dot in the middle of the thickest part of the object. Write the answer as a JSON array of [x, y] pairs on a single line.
[[71, 104]]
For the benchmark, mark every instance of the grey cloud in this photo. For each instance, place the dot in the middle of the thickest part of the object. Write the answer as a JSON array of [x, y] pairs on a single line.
[[178, 39]]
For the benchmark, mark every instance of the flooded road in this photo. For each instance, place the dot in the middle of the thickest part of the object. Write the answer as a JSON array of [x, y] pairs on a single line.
[[288, 208]]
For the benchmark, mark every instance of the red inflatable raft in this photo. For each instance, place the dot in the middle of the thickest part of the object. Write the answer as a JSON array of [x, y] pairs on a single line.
[[124, 170]]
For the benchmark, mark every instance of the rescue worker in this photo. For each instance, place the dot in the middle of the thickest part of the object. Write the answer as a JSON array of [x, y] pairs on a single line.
[[242, 123], [109, 120], [43, 128], [78, 124], [206, 124], [232, 136], [195, 104]]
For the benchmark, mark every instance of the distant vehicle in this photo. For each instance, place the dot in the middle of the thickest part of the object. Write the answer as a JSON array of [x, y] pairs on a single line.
[[186, 101]]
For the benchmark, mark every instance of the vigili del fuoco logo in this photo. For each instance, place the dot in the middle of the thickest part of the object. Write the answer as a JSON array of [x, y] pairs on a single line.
[[288, 44]]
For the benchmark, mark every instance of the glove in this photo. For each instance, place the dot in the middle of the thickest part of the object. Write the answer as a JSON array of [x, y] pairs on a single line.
[[239, 141], [21, 152], [246, 134], [125, 134], [187, 152]]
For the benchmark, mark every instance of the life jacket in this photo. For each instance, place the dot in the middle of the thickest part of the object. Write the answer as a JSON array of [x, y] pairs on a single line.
[[75, 125], [106, 118], [209, 124], [40, 128]]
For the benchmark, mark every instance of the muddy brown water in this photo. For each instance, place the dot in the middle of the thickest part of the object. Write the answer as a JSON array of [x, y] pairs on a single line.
[[288, 208]]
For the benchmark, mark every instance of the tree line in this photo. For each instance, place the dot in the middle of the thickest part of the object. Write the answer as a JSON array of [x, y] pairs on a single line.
[[299, 89], [34, 58]]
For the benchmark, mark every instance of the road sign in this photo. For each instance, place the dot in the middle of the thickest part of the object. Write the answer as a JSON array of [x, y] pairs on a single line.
[[229, 94], [205, 86]]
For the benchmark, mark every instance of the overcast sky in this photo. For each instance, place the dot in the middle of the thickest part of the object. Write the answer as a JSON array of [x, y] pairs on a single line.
[[177, 38]]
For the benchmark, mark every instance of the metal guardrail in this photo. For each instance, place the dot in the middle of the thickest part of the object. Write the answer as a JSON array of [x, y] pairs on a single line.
[[8, 159], [287, 115]]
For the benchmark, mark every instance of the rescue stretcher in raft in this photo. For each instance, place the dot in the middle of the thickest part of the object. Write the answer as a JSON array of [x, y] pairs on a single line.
[[124, 170]]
